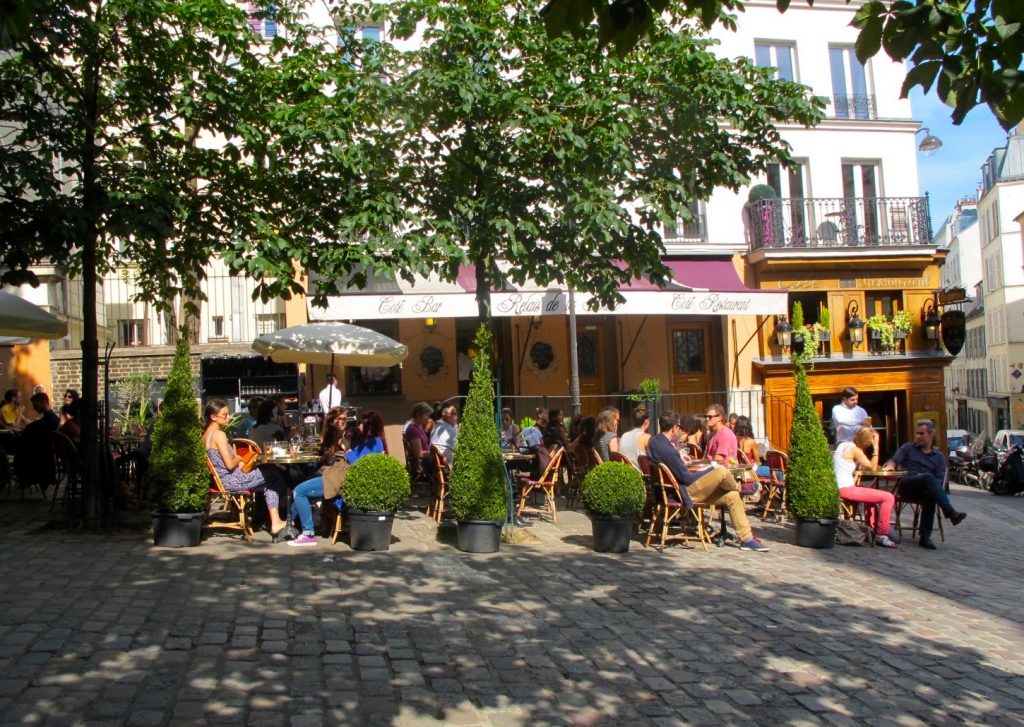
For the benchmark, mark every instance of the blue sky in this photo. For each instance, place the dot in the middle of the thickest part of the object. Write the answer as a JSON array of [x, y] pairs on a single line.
[[954, 171]]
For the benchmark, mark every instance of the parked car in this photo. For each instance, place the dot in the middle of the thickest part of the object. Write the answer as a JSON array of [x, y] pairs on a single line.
[[956, 438], [1005, 438]]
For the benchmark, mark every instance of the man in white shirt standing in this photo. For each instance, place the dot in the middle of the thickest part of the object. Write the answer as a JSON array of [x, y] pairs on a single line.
[[848, 417], [444, 432], [331, 394]]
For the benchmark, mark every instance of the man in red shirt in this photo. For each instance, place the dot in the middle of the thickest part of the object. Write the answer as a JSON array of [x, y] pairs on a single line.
[[722, 445]]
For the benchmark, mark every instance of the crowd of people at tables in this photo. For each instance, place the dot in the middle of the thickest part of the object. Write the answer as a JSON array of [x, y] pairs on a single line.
[[33, 425]]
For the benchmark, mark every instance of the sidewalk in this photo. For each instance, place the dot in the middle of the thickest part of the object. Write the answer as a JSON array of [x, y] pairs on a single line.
[[109, 629]]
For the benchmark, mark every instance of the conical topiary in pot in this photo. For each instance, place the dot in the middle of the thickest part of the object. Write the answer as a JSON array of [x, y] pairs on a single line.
[[375, 486], [614, 495], [477, 487], [810, 480], [178, 481]]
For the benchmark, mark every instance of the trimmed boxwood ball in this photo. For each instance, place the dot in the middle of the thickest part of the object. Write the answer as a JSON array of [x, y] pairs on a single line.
[[761, 191], [810, 478], [376, 482], [613, 489], [478, 473]]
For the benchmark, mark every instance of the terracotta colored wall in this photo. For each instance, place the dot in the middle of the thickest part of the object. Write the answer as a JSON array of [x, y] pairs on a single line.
[[419, 383], [531, 379]]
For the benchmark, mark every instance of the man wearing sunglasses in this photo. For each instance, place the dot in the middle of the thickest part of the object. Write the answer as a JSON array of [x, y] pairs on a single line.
[[722, 445], [712, 485]]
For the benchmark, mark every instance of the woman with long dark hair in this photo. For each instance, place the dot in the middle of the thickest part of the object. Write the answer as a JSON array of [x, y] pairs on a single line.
[[264, 478]]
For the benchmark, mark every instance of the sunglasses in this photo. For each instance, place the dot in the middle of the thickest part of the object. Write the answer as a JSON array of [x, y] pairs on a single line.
[[712, 416]]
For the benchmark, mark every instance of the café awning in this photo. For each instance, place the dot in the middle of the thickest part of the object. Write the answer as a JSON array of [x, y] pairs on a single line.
[[698, 287]]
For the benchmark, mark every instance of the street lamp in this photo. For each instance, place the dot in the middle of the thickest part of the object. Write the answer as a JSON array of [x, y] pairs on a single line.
[[929, 144], [932, 323], [783, 332], [854, 324]]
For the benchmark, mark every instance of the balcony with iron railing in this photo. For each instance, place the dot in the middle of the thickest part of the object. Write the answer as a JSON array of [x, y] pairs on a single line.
[[854, 107], [850, 222], [686, 232]]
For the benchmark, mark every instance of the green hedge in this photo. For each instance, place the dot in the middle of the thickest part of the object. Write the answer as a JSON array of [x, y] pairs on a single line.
[[478, 474], [613, 489], [376, 482], [810, 478], [178, 480]]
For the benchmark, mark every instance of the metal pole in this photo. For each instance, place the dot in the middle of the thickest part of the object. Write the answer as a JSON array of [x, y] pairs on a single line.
[[574, 363]]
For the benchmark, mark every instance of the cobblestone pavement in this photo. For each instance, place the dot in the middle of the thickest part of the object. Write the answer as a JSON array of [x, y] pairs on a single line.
[[109, 629]]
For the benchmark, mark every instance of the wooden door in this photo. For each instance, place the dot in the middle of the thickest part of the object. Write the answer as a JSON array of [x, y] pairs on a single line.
[[689, 349], [590, 355]]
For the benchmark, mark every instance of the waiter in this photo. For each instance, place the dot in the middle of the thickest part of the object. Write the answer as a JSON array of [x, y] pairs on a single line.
[[330, 395]]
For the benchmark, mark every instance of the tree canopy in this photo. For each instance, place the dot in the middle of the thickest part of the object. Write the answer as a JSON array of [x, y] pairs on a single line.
[[537, 159], [970, 51]]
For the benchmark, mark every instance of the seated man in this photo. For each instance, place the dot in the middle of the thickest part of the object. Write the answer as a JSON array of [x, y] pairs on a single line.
[[722, 444], [33, 460], [444, 433], [926, 471], [713, 485]]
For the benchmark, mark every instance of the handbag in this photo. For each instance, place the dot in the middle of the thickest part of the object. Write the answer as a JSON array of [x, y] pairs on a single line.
[[851, 532]]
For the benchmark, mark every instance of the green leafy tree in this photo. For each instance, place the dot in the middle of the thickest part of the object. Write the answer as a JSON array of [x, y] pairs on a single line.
[[478, 473], [810, 479], [528, 159], [157, 134], [178, 480], [970, 51]]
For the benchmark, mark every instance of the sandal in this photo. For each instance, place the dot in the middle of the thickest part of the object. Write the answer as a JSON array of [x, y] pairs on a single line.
[[885, 542]]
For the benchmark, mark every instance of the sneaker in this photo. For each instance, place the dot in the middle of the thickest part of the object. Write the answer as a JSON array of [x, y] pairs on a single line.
[[885, 541], [302, 540], [957, 517], [895, 535], [754, 544]]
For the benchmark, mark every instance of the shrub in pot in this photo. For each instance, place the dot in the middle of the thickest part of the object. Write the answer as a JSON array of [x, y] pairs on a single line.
[[375, 486], [178, 481], [477, 486], [813, 496], [613, 494]]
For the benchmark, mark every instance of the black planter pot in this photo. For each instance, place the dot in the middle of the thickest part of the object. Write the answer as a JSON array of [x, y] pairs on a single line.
[[177, 529], [612, 534], [798, 343], [479, 536], [369, 529], [819, 534]]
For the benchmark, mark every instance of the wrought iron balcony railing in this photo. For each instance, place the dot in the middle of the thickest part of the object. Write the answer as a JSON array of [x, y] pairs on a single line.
[[840, 222], [854, 107], [695, 231]]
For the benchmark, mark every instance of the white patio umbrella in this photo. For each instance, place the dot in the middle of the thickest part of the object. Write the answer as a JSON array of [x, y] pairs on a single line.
[[22, 319], [327, 344]]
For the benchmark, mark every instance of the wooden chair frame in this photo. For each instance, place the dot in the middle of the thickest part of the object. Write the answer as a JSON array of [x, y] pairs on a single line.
[[439, 494], [237, 504], [578, 469], [775, 487], [670, 510], [546, 483], [67, 468]]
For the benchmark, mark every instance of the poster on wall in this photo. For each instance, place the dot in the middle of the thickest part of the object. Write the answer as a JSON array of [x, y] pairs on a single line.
[[1016, 411]]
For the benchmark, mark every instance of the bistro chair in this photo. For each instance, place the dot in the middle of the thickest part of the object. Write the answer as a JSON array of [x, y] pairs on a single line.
[[67, 469], [914, 505], [420, 476], [648, 511], [670, 511], [581, 460], [775, 487], [236, 505], [440, 485], [692, 450], [546, 484]]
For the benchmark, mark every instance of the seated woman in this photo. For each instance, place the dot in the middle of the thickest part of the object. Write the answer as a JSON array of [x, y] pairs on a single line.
[[850, 455], [69, 426], [417, 440], [265, 478], [327, 484], [509, 432], [607, 432], [368, 438]]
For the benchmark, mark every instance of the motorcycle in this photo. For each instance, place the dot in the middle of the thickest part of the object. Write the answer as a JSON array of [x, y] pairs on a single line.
[[975, 465], [1008, 478], [958, 460]]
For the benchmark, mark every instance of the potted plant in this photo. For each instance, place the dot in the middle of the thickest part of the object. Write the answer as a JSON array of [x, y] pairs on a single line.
[[883, 331], [901, 323], [477, 486], [810, 480], [765, 217], [375, 486], [178, 481], [797, 320], [133, 392], [823, 330], [613, 494], [647, 394]]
